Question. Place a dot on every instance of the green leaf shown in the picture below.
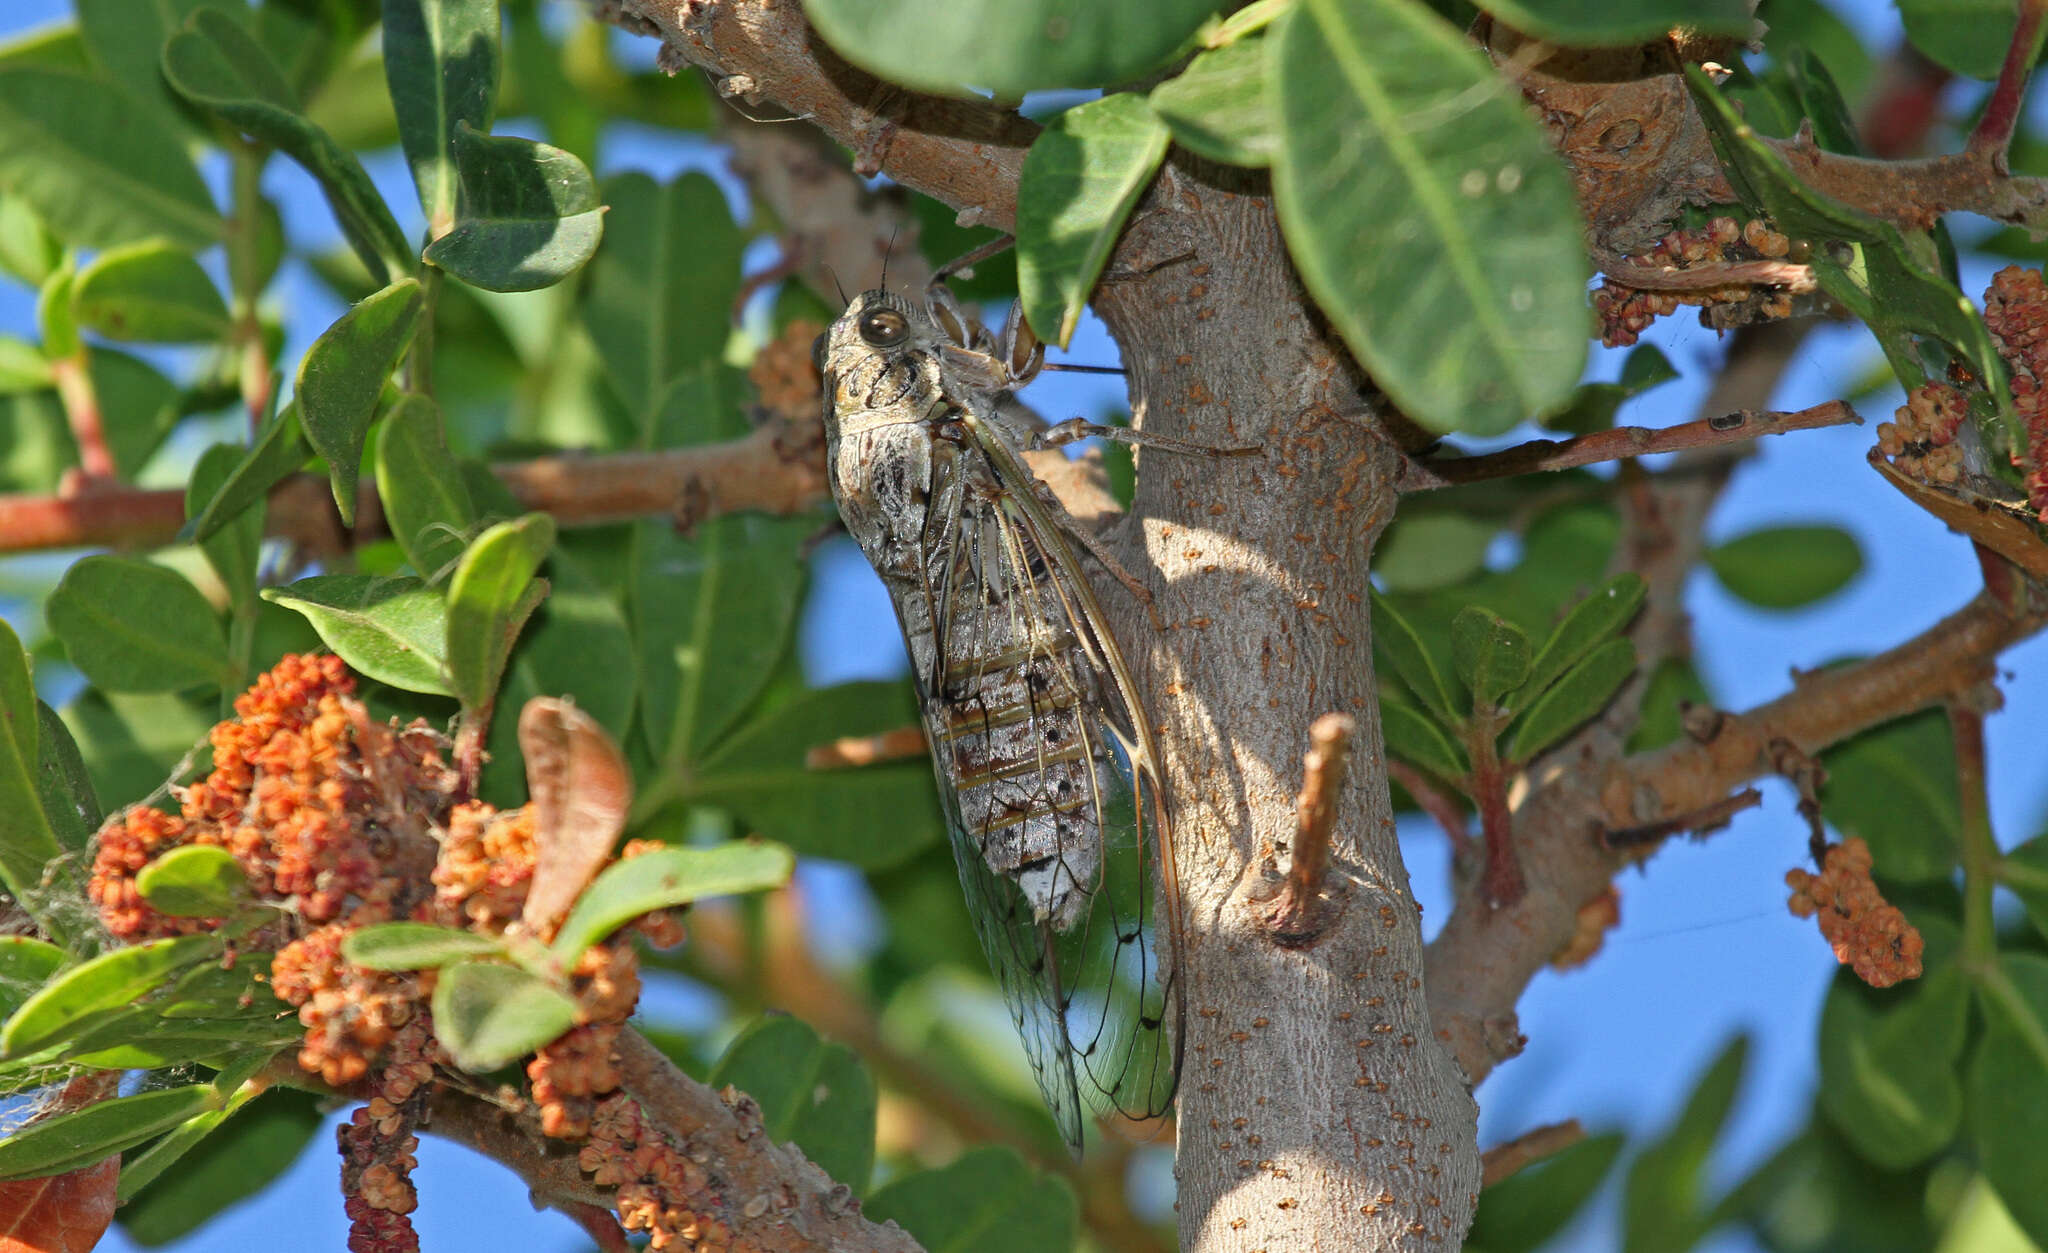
(1008, 47)
(235, 1161)
(650, 317)
(666, 878)
(1420, 739)
(530, 214)
(1492, 654)
(420, 483)
(1969, 37)
(987, 1201)
(27, 840)
(490, 1015)
(713, 613)
(1673, 683)
(1663, 1203)
(1428, 213)
(28, 250)
(813, 1094)
(1600, 23)
(138, 406)
(23, 368)
(872, 816)
(1787, 567)
(489, 598)
(53, 312)
(280, 449)
(1425, 549)
(2025, 871)
(415, 946)
(134, 626)
(62, 783)
(1402, 648)
(1592, 405)
(2006, 1089)
(1888, 1076)
(219, 66)
(1583, 692)
(233, 547)
(1520, 1213)
(1217, 106)
(1081, 178)
(133, 742)
(393, 630)
(67, 1004)
(72, 1141)
(441, 60)
(126, 42)
(195, 881)
(149, 292)
(96, 169)
(343, 374)
(25, 963)
(1894, 786)
(1591, 622)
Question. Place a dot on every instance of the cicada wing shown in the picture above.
(1032, 722)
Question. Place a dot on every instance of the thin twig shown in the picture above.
(901, 744)
(1707, 276)
(1621, 442)
(1993, 134)
(1509, 1156)
(1302, 910)
(1436, 803)
(1701, 821)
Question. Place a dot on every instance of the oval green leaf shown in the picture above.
(415, 946)
(1888, 1066)
(27, 840)
(986, 1201)
(420, 483)
(134, 626)
(1584, 691)
(1894, 787)
(1218, 106)
(669, 877)
(78, 1139)
(1787, 567)
(1081, 177)
(2006, 1088)
(393, 630)
(1428, 213)
(343, 374)
(1419, 739)
(25, 963)
(96, 169)
(279, 450)
(1968, 37)
(441, 61)
(1602, 23)
(1522, 1212)
(1397, 641)
(195, 881)
(489, 599)
(149, 292)
(1008, 47)
(491, 1015)
(220, 67)
(530, 216)
(812, 1093)
(1607, 610)
(232, 547)
(1491, 653)
(68, 1003)
(1424, 549)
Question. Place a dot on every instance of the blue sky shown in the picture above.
(1706, 948)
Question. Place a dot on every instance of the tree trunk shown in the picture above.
(1317, 1108)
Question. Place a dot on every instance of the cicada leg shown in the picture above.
(1075, 429)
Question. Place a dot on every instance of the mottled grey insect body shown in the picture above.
(1045, 767)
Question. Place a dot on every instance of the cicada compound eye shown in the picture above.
(884, 328)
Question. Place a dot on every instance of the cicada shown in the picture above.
(1045, 764)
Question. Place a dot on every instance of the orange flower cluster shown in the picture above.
(350, 1014)
(1868, 934)
(785, 377)
(1920, 438)
(1596, 918)
(2016, 310)
(1625, 312)
(656, 1181)
(312, 798)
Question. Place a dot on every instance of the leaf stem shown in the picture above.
(244, 244)
(1994, 131)
(1979, 846)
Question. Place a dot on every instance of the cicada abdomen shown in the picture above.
(1046, 769)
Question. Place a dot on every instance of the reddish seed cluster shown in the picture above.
(661, 1191)
(1625, 312)
(570, 1073)
(350, 1014)
(1921, 437)
(1596, 918)
(785, 377)
(378, 1145)
(485, 869)
(1868, 934)
(2016, 310)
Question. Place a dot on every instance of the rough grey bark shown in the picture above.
(1317, 1108)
